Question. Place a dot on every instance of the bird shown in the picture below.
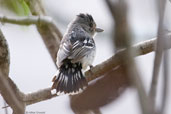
(76, 52)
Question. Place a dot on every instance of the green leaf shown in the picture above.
(20, 7)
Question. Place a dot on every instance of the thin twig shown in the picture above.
(5, 106)
(159, 53)
(38, 20)
(29, 20)
(5, 110)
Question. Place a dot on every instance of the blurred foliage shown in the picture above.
(19, 7)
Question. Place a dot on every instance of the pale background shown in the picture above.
(32, 68)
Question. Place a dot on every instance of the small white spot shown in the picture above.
(53, 91)
(89, 47)
(80, 90)
(85, 41)
(72, 93)
(84, 87)
(57, 72)
(60, 93)
(77, 92)
(64, 44)
(73, 34)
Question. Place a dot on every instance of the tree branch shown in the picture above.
(142, 48)
(4, 55)
(38, 20)
(38, 96)
(46, 26)
(8, 89)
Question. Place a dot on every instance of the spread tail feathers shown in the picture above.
(70, 79)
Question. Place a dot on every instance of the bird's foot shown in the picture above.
(91, 66)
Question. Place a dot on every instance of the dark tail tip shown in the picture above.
(70, 79)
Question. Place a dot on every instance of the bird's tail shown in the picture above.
(70, 79)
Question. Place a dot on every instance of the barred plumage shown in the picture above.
(70, 78)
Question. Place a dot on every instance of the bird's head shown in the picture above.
(87, 22)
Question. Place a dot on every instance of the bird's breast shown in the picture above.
(88, 59)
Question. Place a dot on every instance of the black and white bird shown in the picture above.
(76, 52)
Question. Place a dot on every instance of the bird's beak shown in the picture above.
(99, 30)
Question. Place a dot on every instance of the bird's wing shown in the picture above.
(75, 46)
(64, 50)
